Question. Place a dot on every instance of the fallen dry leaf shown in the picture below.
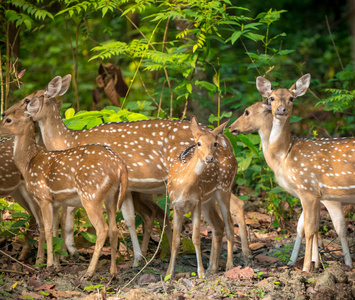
(266, 259)
(238, 272)
(263, 218)
(31, 295)
(256, 246)
(145, 279)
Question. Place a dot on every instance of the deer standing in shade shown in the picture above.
(258, 117)
(87, 176)
(149, 149)
(187, 192)
(310, 169)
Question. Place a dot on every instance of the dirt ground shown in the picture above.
(267, 278)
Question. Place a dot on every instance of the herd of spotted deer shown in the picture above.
(123, 164)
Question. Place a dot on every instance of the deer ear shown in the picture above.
(196, 131)
(300, 87)
(219, 130)
(264, 86)
(33, 107)
(65, 84)
(54, 87)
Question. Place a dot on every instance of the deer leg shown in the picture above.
(67, 218)
(311, 209)
(111, 207)
(47, 211)
(335, 210)
(148, 216)
(299, 236)
(94, 211)
(128, 215)
(223, 199)
(315, 251)
(177, 225)
(237, 207)
(196, 238)
(55, 224)
(209, 211)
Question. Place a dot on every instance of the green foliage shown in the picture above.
(89, 119)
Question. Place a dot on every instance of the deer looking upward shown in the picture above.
(149, 148)
(188, 192)
(315, 170)
(258, 117)
(84, 176)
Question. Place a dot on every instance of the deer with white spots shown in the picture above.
(309, 169)
(258, 117)
(11, 183)
(85, 176)
(187, 192)
(149, 149)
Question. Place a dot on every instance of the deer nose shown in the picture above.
(233, 131)
(281, 110)
(209, 159)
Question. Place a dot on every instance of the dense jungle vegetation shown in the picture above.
(173, 59)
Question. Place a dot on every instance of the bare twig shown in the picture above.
(12, 271)
(335, 47)
(151, 45)
(2, 87)
(22, 264)
(246, 50)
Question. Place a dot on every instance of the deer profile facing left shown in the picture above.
(85, 176)
(188, 193)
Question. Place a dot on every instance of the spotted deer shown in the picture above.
(188, 191)
(258, 117)
(312, 169)
(149, 149)
(84, 176)
(11, 183)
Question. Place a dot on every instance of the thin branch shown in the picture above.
(246, 50)
(151, 45)
(335, 47)
(22, 264)
(2, 87)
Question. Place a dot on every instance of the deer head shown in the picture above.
(206, 142)
(15, 123)
(281, 100)
(35, 102)
(254, 117)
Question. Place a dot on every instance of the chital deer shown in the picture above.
(149, 148)
(315, 170)
(85, 176)
(258, 117)
(11, 183)
(187, 192)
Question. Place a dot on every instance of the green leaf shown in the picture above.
(69, 113)
(285, 52)
(249, 144)
(20, 215)
(93, 122)
(295, 119)
(244, 164)
(189, 87)
(235, 36)
(254, 36)
(89, 236)
(209, 86)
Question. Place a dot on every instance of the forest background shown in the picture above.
(178, 58)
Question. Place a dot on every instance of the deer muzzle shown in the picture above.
(209, 159)
(281, 110)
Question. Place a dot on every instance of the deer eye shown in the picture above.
(291, 99)
(27, 100)
(199, 144)
(247, 113)
(8, 120)
(272, 98)
(3, 115)
(215, 144)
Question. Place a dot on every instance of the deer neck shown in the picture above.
(280, 138)
(25, 149)
(264, 134)
(55, 134)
